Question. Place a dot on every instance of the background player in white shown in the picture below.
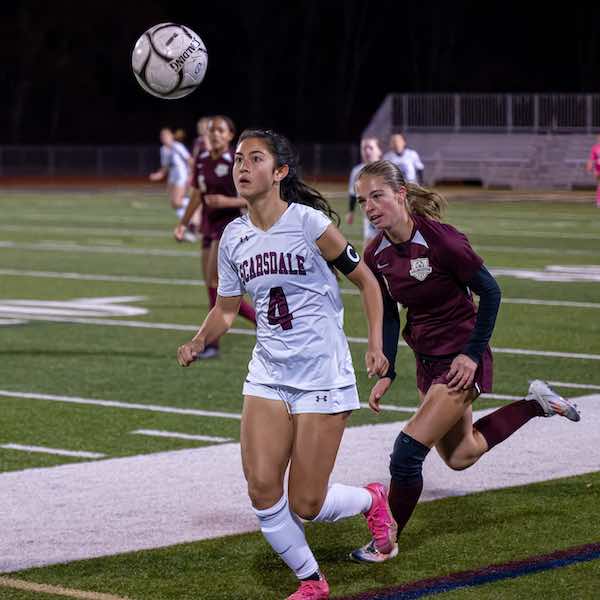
(174, 164)
(301, 387)
(369, 152)
(406, 158)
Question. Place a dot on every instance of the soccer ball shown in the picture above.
(169, 60)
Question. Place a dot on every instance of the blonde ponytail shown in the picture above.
(425, 203)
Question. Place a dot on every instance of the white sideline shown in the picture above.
(57, 451)
(115, 404)
(251, 332)
(199, 282)
(93, 509)
(180, 436)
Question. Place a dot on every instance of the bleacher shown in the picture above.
(546, 146)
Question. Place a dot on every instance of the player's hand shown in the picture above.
(179, 232)
(188, 353)
(461, 373)
(214, 200)
(156, 176)
(379, 389)
(350, 218)
(376, 363)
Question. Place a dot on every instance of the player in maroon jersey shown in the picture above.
(213, 188)
(201, 143)
(430, 268)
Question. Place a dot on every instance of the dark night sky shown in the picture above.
(316, 69)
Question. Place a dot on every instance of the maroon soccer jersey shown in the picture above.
(213, 176)
(428, 276)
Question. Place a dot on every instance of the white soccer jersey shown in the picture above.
(369, 230)
(300, 340)
(409, 163)
(175, 158)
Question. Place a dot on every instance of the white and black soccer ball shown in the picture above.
(169, 60)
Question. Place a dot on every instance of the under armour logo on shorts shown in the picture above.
(324, 398)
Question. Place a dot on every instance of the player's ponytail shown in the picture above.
(419, 200)
(292, 188)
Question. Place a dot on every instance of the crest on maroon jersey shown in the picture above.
(419, 268)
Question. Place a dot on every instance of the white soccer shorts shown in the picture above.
(307, 401)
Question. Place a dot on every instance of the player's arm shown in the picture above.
(158, 175)
(420, 169)
(194, 203)
(221, 201)
(217, 323)
(338, 252)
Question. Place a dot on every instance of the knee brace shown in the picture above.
(406, 460)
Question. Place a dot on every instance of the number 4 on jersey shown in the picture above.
(279, 313)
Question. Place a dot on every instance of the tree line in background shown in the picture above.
(316, 70)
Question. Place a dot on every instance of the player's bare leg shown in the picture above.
(317, 439)
(267, 437)
(316, 442)
(209, 274)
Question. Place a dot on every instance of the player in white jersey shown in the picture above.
(406, 159)
(369, 152)
(174, 165)
(301, 387)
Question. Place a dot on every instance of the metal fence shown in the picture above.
(139, 161)
(532, 113)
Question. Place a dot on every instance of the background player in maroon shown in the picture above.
(430, 268)
(213, 188)
(201, 143)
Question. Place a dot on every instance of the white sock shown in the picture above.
(344, 501)
(285, 532)
(181, 210)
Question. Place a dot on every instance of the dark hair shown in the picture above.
(228, 121)
(419, 200)
(292, 188)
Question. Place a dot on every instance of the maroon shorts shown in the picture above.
(212, 231)
(432, 369)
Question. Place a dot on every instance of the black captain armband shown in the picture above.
(347, 261)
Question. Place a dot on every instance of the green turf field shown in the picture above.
(60, 247)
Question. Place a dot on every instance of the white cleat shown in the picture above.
(551, 403)
(370, 554)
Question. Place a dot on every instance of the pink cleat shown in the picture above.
(380, 520)
(311, 590)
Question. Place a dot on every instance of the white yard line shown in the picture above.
(115, 404)
(227, 415)
(82, 231)
(180, 436)
(79, 248)
(521, 250)
(102, 508)
(79, 230)
(100, 277)
(199, 282)
(575, 386)
(251, 332)
(57, 451)
(55, 590)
